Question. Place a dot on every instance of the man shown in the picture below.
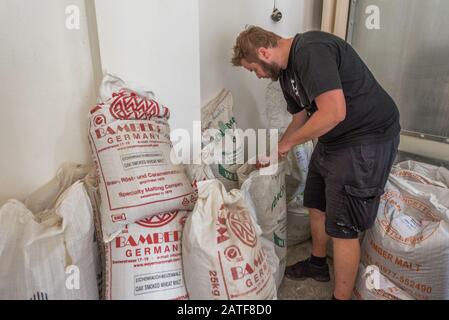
(334, 97)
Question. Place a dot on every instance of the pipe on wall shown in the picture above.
(335, 17)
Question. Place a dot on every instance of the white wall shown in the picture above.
(178, 48)
(50, 74)
(154, 44)
(220, 23)
(47, 87)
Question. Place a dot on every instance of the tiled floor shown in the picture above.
(307, 289)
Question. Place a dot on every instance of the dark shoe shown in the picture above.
(304, 269)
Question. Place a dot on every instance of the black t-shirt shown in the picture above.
(320, 62)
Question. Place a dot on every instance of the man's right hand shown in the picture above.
(283, 149)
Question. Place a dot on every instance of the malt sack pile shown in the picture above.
(410, 238)
(375, 286)
(276, 108)
(150, 239)
(49, 253)
(144, 262)
(129, 136)
(222, 253)
(298, 220)
(264, 193)
(218, 115)
(91, 182)
(298, 160)
(197, 173)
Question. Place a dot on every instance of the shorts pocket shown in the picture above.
(362, 205)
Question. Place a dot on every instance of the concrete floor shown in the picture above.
(308, 289)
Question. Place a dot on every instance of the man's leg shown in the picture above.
(352, 205)
(346, 264)
(319, 236)
(315, 266)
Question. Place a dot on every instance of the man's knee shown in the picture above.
(317, 215)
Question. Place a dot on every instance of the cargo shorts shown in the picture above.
(347, 184)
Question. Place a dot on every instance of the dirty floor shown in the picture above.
(308, 289)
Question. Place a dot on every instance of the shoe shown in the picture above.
(304, 269)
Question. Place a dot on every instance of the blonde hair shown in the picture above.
(251, 39)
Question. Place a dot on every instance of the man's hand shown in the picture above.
(298, 121)
(331, 111)
(284, 148)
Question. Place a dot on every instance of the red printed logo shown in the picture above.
(194, 185)
(394, 204)
(118, 217)
(129, 106)
(183, 220)
(158, 220)
(96, 108)
(233, 253)
(99, 120)
(185, 202)
(242, 227)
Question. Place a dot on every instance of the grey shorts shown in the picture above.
(347, 184)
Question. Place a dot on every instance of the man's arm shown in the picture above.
(299, 119)
(331, 111)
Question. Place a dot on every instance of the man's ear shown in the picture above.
(263, 54)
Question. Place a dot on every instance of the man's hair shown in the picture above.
(251, 39)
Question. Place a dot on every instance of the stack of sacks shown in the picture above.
(298, 216)
(91, 181)
(47, 245)
(144, 197)
(409, 242)
(223, 256)
(150, 246)
(372, 285)
(144, 262)
(197, 173)
(129, 136)
(298, 161)
(217, 123)
(264, 192)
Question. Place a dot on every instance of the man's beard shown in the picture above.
(273, 70)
